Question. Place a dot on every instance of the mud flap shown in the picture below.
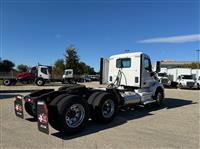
(42, 117)
(18, 106)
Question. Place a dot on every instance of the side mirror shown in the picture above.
(158, 66)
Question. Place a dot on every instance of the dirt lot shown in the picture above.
(174, 125)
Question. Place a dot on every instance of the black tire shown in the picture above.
(104, 113)
(53, 112)
(65, 81)
(198, 86)
(40, 82)
(158, 97)
(7, 82)
(29, 109)
(14, 82)
(65, 107)
(180, 86)
(91, 100)
(67, 86)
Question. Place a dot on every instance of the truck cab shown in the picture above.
(68, 74)
(164, 79)
(132, 71)
(42, 74)
(186, 81)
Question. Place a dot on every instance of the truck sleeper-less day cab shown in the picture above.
(131, 81)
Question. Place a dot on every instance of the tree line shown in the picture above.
(71, 60)
(194, 65)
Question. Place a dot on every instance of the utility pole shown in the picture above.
(198, 66)
(198, 50)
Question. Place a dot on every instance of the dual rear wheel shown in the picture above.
(70, 113)
(104, 107)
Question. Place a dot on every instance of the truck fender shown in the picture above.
(92, 98)
(159, 88)
(99, 97)
(61, 104)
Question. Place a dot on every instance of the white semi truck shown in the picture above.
(182, 76)
(130, 80)
(164, 79)
(186, 81)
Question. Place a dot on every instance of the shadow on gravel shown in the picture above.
(124, 115)
(31, 119)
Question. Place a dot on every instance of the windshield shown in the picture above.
(187, 77)
(68, 72)
(162, 74)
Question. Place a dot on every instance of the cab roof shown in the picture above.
(126, 55)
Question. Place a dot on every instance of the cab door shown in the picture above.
(148, 78)
(43, 72)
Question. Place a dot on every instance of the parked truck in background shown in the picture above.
(130, 80)
(176, 75)
(164, 79)
(196, 75)
(70, 77)
(38, 74)
(186, 81)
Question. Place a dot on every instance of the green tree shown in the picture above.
(22, 68)
(85, 69)
(72, 59)
(6, 65)
(193, 65)
(59, 67)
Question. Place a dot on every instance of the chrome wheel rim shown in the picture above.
(6, 82)
(108, 108)
(75, 115)
(40, 82)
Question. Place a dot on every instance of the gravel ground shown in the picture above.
(174, 125)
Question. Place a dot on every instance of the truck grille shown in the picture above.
(164, 81)
(190, 84)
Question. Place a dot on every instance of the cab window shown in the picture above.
(68, 72)
(44, 70)
(123, 63)
(147, 64)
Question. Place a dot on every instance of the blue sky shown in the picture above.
(40, 31)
